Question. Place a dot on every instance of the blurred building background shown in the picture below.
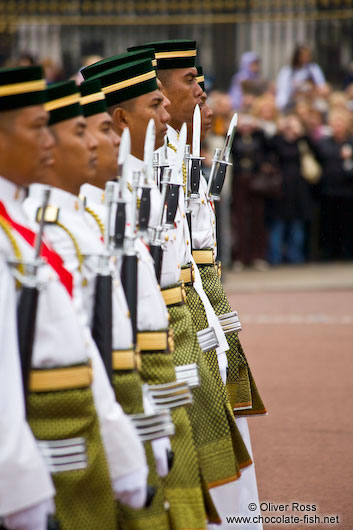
(64, 31)
(289, 195)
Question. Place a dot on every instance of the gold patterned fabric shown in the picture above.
(240, 454)
(128, 392)
(182, 486)
(84, 498)
(242, 391)
(208, 416)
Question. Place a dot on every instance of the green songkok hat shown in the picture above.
(171, 53)
(128, 81)
(63, 102)
(200, 77)
(92, 98)
(21, 87)
(118, 60)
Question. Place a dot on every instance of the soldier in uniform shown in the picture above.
(176, 69)
(241, 386)
(26, 489)
(133, 99)
(70, 405)
(208, 433)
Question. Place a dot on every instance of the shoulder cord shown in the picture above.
(15, 247)
(97, 219)
(77, 248)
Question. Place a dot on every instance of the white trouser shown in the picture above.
(234, 498)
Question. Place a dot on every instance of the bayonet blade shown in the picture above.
(124, 151)
(150, 140)
(124, 147)
(230, 137)
(180, 155)
(196, 132)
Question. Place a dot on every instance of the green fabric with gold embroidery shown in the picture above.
(208, 417)
(182, 486)
(241, 386)
(84, 498)
(128, 392)
(199, 317)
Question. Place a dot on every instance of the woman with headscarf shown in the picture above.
(249, 72)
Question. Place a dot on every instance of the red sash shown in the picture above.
(51, 257)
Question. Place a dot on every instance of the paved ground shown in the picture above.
(298, 336)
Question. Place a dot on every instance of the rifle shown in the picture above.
(220, 163)
(102, 320)
(129, 272)
(26, 318)
(156, 249)
(28, 304)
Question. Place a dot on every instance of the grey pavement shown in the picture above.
(334, 276)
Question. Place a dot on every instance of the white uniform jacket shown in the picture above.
(24, 479)
(125, 453)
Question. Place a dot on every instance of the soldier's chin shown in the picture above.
(159, 141)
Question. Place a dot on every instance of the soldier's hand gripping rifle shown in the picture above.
(220, 163)
(102, 320)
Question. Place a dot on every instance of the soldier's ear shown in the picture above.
(119, 119)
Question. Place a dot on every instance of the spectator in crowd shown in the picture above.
(264, 109)
(288, 215)
(248, 78)
(302, 76)
(248, 204)
(221, 105)
(336, 155)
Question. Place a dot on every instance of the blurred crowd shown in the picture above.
(289, 195)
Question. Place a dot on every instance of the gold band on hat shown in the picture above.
(154, 62)
(23, 88)
(175, 54)
(60, 379)
(200, 79)
(129, 82)
(62, 102)
(92, 98)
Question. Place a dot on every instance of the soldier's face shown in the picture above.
(184, 93)
(75, 155)
(101, 127)
(148, 106)
(26, 145)
(206, 116)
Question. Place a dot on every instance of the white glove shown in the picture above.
(32, 518)
(223, 365)
(131, 489)
(160, 448)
